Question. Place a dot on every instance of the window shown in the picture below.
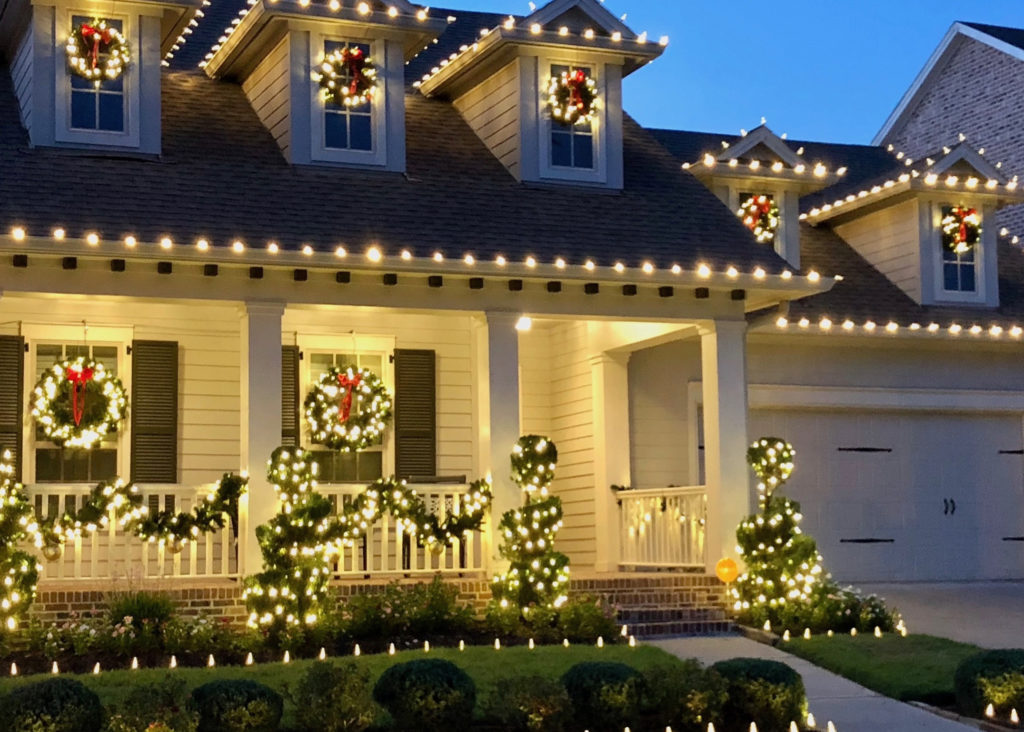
(97, 108)
(348, 128)
(572, 145)
(364, 466)
(959, 269)
(54, 464)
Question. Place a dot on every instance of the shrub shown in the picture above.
(139, 619)
(605, 696)
(585, 619)
(332, 698)
(766, 692)
(237, 706)
(990, 677)
(429, 694)
(408, 611)
(164, 706)
(530, 704)
(54, 705)
(683, 696)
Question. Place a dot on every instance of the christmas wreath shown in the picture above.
(761, 216)
(77, 403)
(97, 51)
(347, 77)
(961, 229)
(573, 97)
(347, 409)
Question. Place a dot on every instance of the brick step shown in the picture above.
(646, 631)
(634, 616)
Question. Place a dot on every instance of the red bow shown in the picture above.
(758, 208)
(356, 63)
(98, 35)
(576, 80)
(963, 214)
(79, 377)
(348, 383)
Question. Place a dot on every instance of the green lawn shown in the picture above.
(915, 668)
(486, 665)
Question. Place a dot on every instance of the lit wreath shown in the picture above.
(961, 229)
(347, 77)
(761, 216)
(347, 409)
(572, 97)
(77, 403)
(97, 51)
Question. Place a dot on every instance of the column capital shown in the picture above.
(499, 318)
(610, 359)
(710, 327)
(262, 307)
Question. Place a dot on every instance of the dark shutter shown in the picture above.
(154, 412)
(290, 395)
(12, 380)
(415, 413)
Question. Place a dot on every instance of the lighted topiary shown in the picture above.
(19, 569)
(785, 583)
(537, 574)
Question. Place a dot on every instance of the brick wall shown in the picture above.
(980, 93)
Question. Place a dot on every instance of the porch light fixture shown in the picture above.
(524, 324)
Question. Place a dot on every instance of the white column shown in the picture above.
(498, 374)
(610, 389)
(261, 421)
(724, 376)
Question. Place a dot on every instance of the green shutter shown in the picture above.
(415, 413)
(290, 401)
(154, 412)
(12, 380)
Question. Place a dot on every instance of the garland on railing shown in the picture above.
(300, 540)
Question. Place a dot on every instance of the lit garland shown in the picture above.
(347, 77)
(77, 403)
(347, 409)
(961, 229)
(537, 574)
(301, 540)
(19, 569)
(97, 51)
(760, 214)
(572, 97)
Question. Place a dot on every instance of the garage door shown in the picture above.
(908, 496)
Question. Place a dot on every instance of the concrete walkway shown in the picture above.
(851, 707)
(987, 614)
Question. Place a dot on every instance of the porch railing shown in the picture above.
(389, 551)
(663, 527)
(111, 553)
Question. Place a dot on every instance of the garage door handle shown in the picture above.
(952, 503)
(945, 506)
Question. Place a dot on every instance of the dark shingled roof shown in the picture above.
(1013, 36)
(221, 176)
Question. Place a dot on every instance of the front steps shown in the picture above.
(654, 605)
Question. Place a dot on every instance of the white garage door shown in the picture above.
(908, 496)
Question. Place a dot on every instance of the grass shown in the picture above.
(484, 664)
(915, 668)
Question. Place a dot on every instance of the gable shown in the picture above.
(578, 15)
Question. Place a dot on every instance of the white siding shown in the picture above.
(535, 381)
(890, 239)
(492, 110)
(21, 75)
(268, 90)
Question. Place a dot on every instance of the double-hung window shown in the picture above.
(348, 127)
(97, 107)
(572, 145)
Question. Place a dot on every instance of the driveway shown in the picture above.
(988, 614)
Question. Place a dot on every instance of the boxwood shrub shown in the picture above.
(605, 696)
(237, 705)
(766, 692)
(333, 698)
(990, 677)
(53, 705)
(427, 694)
(530, 704)
(684, 696)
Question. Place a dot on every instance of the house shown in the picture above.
(218, 226)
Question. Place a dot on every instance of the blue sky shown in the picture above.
(816, 69)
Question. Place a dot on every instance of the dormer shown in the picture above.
(87, 74)
(514, 84)
(327, 79)
(762, 177)
(930, 226)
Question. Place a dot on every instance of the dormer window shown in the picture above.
(572, 143)
(760, 214)
(97, 106)
(348, 119)
(961, 236)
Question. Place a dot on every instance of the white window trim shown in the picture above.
(376, 157)
(63, 131)
(117, 336)
(347, 343)
(597, 174)
(942, 295)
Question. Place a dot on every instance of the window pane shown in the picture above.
(561, 149)
(47, 354)
(952, 282)
(107, 355)
(967, 278)
(76, 465)
(371, 362)
(81, 83)
(371, 466)
(83, 110)
(112, 112)
(346, 468)
(74, 351)
(319, 363)
(583, 151)
(335, 130)
(361, 134)
(104, 465)
(47, 465)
